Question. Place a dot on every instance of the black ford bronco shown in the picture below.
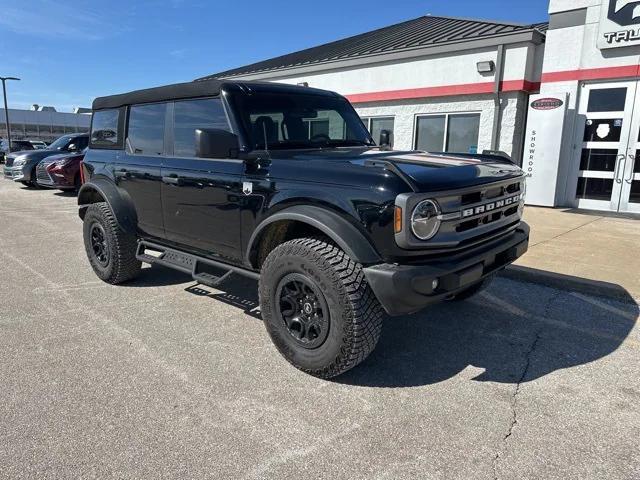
(285, 185)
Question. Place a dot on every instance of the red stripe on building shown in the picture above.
(506, 86)
(445, 91)
(592, 74)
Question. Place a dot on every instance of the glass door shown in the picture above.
(607, 110)
(629, 177)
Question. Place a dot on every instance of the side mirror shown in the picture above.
(385, 139)
(216, 143)
(72, 147)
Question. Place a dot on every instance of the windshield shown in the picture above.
(59, 144)
(292, 121)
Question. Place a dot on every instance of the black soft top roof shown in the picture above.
(201, 88)
(176, 91)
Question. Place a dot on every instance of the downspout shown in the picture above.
(497, 88)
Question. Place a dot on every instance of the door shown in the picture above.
(609, 135)
(630, 176)
(137, 168)
(201, 197)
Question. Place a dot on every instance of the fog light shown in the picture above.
(435, 284)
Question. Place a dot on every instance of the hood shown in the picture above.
(427, 172)
(63, 156)
(423, 172)
(32, 155)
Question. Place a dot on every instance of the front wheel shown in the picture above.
(111, 251)
(318, 308)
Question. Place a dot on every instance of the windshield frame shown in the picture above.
(238, 103)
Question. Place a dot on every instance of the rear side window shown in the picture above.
(146, 129)
(190, 115)
(106, 129)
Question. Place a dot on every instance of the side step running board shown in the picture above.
(201, 269)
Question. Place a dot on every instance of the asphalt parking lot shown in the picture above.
(165, 378)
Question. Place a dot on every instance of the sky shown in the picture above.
(69, 52)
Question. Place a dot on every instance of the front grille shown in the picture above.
(41, 173)
(9, 161)
(475, 213)
(468, 216)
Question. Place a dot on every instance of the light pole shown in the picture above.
(6, 109)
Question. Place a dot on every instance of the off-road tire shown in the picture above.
(122, 264)
(355, 315)
(473, 290)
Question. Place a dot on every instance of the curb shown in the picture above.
(567, 282)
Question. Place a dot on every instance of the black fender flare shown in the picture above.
(351, 240)
(121, 206)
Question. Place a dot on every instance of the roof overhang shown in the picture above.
(532, 36)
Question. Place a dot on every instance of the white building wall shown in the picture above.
(459, 68)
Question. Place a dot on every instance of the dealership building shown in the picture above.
(560, 97)
(43, 123)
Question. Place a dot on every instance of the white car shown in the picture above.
(38, 144)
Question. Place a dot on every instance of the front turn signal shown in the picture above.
(398, 220)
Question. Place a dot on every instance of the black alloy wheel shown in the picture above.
(99, 244)
(304, 310)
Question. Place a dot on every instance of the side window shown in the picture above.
(192, 114)
(82, 142)
(105, 129)
(146, 129)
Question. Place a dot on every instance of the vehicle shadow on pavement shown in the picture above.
(513, 333)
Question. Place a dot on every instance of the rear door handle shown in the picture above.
(172, 180)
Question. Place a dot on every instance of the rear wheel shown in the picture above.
(318, 308)
(111, 251)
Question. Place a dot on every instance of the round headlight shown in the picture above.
(424, 220)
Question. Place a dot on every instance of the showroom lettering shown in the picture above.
(532, 153)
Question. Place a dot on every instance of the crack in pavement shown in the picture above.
(514, 401)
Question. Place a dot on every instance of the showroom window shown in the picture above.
(375, 125)
(455, 133)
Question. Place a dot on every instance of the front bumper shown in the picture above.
(405, 289)
(14, 173)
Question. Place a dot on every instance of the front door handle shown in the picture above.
(171, 180)
(633, 158)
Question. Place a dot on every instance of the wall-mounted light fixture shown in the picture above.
(486, 67)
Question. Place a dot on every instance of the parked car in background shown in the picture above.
(16, 146)
(60, 171)
(21, 166)
(38, 144)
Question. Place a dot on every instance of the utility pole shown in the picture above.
(6, 109)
